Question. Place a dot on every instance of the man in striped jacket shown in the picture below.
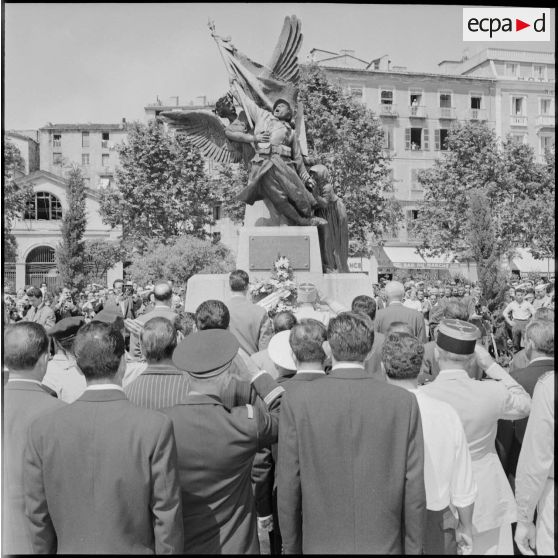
(161, 384)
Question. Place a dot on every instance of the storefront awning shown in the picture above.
(404, 257)
(524, 262)
(438, 262)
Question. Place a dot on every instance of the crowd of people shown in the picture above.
(386, 427)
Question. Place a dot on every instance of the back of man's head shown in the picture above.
(307, 339)
(395, 291)
(283, 321)
(456, 310)
(186, 323)
(544, 314)
(99, 348)
(399, 327)
(350, 337)
(158, 339)
(162, 291)
(212, 314)
(24, 344)
(363, 304)
(540, 334)
(402, 356)
(239, 281)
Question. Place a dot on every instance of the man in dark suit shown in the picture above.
(539, 349)
(250, 323)
(216, 446)
(351, 457)
(162, 309)
(100, 474)
(26, 356)
(121, 301)
(366, 306)
(396, 312)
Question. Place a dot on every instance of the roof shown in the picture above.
(524, 262)
(20, 136)
(84, 127)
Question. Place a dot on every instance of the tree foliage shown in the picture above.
(180, 259)
(231, 179)
(161, 189)
(14, 197)
(506, 177)
(100, 255)
(345, 136)
(70, 252)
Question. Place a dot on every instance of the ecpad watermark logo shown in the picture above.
(506, 24)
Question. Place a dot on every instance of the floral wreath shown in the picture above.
(278, 293)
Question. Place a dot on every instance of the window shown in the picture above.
(476, 101)
(445, 100)
(518, 138)
(539, 72)
(104, 182)
(386, 97)
(546, 142)
(416, 139)
(57, 158)
(105, 159)
(84, 139)
(217, 212)
(356, 92)
(105, 136)
(43, 206)
(57, 140)
(388, 138)
(546, 107)
(440, 139)
(511, 69)
(85, 159)
(415, 184)
(517, 106)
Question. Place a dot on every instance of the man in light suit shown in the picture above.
(25, 399)
(396, 312)
(350, 458)
(39, 312)
(249, 323)
(100, 474)
(162, 292)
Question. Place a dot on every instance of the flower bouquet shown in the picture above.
(278, 293)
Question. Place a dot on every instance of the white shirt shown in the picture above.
(448, 471)
(523, 311)
(97, 387)
(414, 304)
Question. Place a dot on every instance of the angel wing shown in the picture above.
(284, 61)
(205, 131)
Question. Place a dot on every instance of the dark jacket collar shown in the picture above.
(348, 373)
(26, 386)
(100, 395)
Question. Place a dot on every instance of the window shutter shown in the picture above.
(408, 139)
(425, 145)
(437, 143)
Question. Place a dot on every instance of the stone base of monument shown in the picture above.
(260, 247)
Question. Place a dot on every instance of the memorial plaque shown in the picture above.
(264, 250)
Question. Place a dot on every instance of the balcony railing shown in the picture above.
(104, 144)
(516, 120)
(446, 112)
(104, 171)
(546, 120)
(478, 114)
(418, 111)
(388, 110)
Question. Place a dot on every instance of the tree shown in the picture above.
(180, 259)
(231, 180)
(346, 137)
(15, 197)
(161, 190)
(70, 253)
(100, 255)
(507, 180)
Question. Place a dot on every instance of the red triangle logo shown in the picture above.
(519, 25)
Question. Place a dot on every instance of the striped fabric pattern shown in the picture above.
(159, 386)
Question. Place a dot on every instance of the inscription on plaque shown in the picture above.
(264, 250)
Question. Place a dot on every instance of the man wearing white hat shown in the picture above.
(480, 405)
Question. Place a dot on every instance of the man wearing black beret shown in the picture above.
(216, 446)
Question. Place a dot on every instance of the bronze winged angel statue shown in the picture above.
(264, 134)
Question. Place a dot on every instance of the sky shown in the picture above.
(100, 62)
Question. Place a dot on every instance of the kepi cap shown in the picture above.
(280, 352)
(66, 329)
(457, 336)
(207, 353)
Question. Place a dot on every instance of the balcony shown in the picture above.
(389, 110)
(545, 121)
(418, 111)
(447, 113)
(478, 114)
(517, 120)
(106, 171)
